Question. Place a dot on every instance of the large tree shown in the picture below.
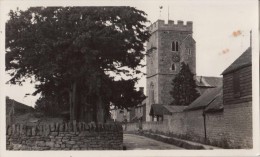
(184, 87)
(72, 51)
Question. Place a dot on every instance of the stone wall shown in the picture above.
(65, 136)
(231, 128)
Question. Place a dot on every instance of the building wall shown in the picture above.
(231, 127)
(245, 80)
(119, 115)
(151, 80)
(65, 136)
(176, 123)
(195, 124)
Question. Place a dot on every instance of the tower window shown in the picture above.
(173, 67)
(189, 51)
(175, 46)
(152, 93)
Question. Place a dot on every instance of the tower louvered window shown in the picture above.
(175, 46)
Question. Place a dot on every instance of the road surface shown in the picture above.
(135, 142)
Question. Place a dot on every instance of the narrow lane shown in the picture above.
(135, 142)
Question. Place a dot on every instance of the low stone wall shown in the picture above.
(65, 136)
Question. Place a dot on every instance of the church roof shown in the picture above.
(207, 81)
(242, 61)
(205, 100)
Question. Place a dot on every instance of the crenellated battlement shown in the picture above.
(179, 26)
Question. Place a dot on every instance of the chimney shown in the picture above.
(141, 89)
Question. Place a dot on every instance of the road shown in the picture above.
(135, 142)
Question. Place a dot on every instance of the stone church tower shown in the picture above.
(173, 44)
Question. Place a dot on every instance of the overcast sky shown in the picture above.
(220, 29)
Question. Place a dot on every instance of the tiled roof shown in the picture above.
(205, 99)
(206, 81)
(174, 109)
(244, 60)
(216, 104)
(158, 110)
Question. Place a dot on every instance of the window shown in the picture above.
(236, 84)
(189, 51)
(175, 46)
(173, 67)
(152, 93)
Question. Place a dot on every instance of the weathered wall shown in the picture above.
(230, 128)
(245, 83)
(65, 136)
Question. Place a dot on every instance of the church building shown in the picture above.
(170, 44)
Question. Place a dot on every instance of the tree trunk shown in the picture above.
(73, 101)
(100, 110)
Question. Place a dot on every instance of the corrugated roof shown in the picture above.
(174, 109)
(205, 99)
(244, 60)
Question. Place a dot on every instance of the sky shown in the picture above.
(220, 29)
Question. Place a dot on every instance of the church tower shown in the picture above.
(170, 44)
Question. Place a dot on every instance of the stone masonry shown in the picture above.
(159, 61)
(65, 136)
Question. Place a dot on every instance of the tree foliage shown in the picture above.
(71, 51)
(184, 87)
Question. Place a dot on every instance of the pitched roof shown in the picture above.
(158, 110)
(205, 99)
(216, 104)
(189, 35)
(206, 81)
(142, 103)
(174, 109)
(242, 61)
(18, 107)
(137, 117)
